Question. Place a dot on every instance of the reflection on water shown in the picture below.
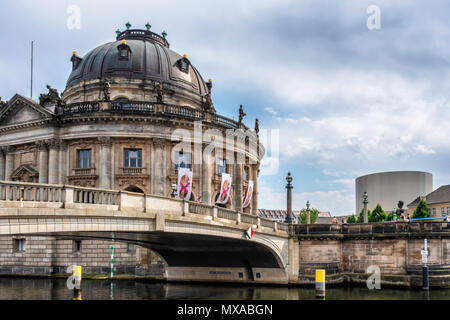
(55, 289)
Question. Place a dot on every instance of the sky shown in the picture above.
(345, 100)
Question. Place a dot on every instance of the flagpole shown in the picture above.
(31, 82)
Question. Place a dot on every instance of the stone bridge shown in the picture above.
(195, 241)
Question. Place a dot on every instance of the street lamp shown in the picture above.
(174, 190)
(365, 202)
(289, 216)
(308, 213)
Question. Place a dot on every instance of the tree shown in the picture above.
(351, 219)
(314, 213)
(390, 216)
(361, 216)
(421, 210)
(377, 215)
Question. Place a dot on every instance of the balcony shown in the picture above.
(132, 171)
(83, 171)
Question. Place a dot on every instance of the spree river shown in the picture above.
(56, 289)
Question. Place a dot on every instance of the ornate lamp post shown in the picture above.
(308, 213)
(365, 202)
(289, 216)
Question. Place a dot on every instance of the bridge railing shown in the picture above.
(227, 214)
(75, 197)
(19, 191)
(202, 209)
(95, 196)
(373, 228)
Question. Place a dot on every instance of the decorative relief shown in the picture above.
(42, 145)
(105, 141)
(53, 143)
(159, 142)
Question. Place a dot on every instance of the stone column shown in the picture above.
(159, 167)
(53, 161)
(9, 162)
(105, 163)
(2, 163)
(238, 187)
(63, 162)
(43, 162)
(207, 165)
(255, 172)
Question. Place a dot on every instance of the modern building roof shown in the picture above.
(440, 195)
(275, 214)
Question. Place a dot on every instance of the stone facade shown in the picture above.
(85, 137)
(49, 256)
(347, 258)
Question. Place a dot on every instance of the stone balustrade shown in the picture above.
(373, 229)
(66, 196)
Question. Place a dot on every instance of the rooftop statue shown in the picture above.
(159, 92)
(106, 87)
(51, 97)
(242, 114)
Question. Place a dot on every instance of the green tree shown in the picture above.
(390, 216)
(351, 219)
(377, 215)
(361, 216)
(421, 210)
(314, 213)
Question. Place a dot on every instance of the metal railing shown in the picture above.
(132, 107)
(145, 107)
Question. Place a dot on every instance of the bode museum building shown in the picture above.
(113, 127)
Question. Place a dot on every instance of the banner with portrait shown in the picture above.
(184, 186)
(225, 189)
(248, 197)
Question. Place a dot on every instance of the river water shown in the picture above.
(56, 289)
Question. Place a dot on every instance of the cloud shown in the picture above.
(346, 100)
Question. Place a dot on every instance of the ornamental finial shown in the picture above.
(128, 25)
(148, 26)
(118, 32)
(164, 34)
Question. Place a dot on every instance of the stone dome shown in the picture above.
(138, 54)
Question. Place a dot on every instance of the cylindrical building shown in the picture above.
(388, 188)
